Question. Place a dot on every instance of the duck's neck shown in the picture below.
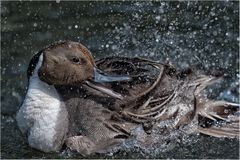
(42, 115)
(44, 95)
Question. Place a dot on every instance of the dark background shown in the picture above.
(182, 33)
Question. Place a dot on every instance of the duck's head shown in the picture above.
(68, 63)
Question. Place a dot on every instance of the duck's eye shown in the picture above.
(76, 60)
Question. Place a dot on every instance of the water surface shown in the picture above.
(181, 33)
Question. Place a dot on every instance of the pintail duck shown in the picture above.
(91, 106)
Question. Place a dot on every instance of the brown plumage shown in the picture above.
(156, 96)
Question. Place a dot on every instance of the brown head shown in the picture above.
(66, 63)
(69, 63)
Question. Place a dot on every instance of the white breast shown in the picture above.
(42, 116)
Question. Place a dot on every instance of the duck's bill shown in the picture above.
(103, 89)
(102, 77)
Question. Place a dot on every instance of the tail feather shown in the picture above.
(220, 131)
(220, 119)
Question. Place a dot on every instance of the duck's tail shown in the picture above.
(219, 119)
(216, 118)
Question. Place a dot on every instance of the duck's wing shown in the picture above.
(148, 100)
(145, 75)
(143, 98)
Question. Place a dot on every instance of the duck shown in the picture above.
(91, 106)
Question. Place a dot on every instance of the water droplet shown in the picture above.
(157, 18)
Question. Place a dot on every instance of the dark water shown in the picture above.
(182, 33)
